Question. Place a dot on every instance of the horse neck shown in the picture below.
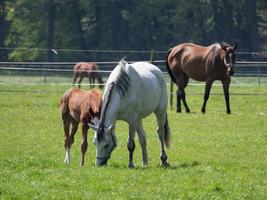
(111, 108)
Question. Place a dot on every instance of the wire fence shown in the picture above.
(246, 72)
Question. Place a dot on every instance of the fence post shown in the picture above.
(171, 94)
(45, 74)
(259, 75)
(152, 55)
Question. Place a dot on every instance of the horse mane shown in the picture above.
(122, 81)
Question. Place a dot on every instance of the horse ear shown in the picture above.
(235, 46)
(95, 128)
(224, 46)
(123, 62)
(96, 122)
(109, 128)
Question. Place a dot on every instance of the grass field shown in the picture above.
(213, 156)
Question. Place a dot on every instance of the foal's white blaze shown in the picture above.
(67, 157)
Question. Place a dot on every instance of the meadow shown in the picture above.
(213, 155)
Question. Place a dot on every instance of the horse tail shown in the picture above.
(168, 66)
(167, 134)
(64, 102)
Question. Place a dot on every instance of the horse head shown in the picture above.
(104, 140)
(229, 58)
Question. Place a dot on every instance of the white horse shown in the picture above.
(133, 91)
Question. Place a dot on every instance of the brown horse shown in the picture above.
(215, 62)
(90, 70)
(78, 106)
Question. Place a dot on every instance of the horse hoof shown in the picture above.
(145, 164)
(165, 164)
(203, 111)
(130, 166)
(188, 111)
(66, 162)
(178, 111)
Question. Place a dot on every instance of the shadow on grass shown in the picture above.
(171, 167)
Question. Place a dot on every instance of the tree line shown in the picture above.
(30, 29)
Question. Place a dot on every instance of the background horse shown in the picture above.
(78, 106)
(89, 70)
(215, 62)
(132, 92)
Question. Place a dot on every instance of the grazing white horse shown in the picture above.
(132, 92)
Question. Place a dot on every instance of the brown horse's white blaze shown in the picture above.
(90, 70)
(215, 62)
(78, 106)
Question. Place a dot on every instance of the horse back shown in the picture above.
(149, 86)
(81, 105)
(84, 67)
(193, 60)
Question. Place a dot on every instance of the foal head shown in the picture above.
(229, 58)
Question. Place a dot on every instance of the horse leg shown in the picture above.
(142, 140)
(90, 82)
(70, 139)
(93, 82)
(182, 83)
(161, 121)
(226, 84)
(207, 94)
(182, 96)
(131, 145)
(178, 102)
(74, 80)
(74, 127)
(80, 80)
(84, 144)
(66, 125)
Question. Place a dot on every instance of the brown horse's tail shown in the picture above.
(167, 134)
(168, 66)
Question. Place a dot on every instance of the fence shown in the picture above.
(244, 69)
(253, 69)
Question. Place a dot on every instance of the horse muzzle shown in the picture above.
(230, 69)
(231, 72)
(101, 161)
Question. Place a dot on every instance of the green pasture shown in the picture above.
(213, 155)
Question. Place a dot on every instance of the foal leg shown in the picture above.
(70, 139)
(131, 145)
(84, 144)
(66, 125)
(207, 94)
(226, 84)
(142, 140)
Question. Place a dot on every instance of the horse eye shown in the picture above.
(106, 146)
